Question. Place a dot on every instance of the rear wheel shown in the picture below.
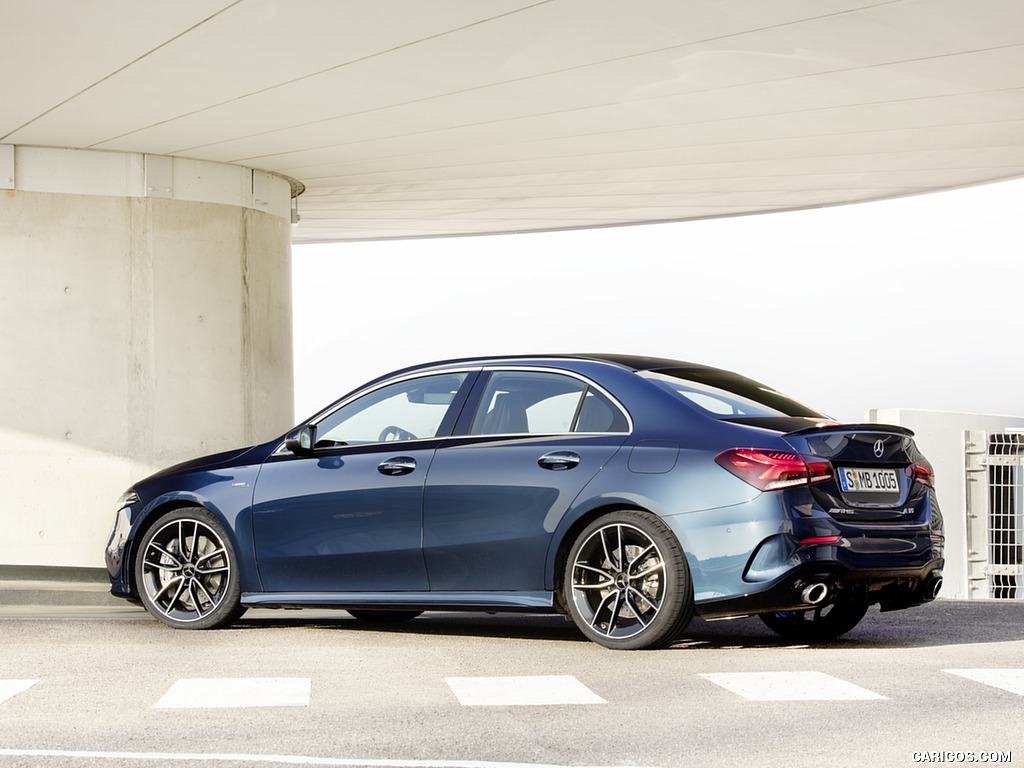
(826, 622)
(627, 585)
(187, 572)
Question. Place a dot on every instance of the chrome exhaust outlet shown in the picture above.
(814, 594)
(933, 587)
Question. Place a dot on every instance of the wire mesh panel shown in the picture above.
(1005, 517)
(995, 507)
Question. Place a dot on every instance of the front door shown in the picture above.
(348, 514)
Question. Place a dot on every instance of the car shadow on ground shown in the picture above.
(944, 622)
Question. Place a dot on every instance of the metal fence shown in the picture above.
(995, 514)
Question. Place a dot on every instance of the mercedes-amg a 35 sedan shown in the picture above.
(626, 492)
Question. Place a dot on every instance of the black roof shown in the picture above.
(631, 362)
(640, 362)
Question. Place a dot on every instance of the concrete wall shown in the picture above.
(137, 331)
(940, 435)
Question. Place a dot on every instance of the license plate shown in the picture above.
(869, 480)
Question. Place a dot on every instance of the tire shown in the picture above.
(815, 625)
(187, 573)
(382, 617)
(627, 584)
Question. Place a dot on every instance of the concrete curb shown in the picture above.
(47, 585)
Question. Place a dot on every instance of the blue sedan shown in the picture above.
(628, 493)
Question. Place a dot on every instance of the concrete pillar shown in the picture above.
(145, 318)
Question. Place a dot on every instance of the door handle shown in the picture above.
(398, 465)
(559, 460)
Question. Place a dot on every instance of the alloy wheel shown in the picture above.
(618, 581)
(185, 570)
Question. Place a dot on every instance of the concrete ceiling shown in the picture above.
(407, 118)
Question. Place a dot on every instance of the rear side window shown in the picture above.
(599, 414)
(727, 395)
(534, 402)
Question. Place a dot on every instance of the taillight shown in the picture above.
(770, 470)
(921, 471)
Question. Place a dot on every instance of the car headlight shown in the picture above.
(128, 498)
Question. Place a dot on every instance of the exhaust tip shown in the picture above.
(933, 587)
(814, 594)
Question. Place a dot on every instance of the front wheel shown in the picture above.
(187, 572)
(627, 584)
(815, 625)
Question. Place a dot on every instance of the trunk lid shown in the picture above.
(878, 473)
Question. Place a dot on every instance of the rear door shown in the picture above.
(529, 441)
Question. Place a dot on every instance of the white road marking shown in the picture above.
(790, 686)
(230, 692)
(341, 762)
(1011, 680)
(521, 691)
(11, 688)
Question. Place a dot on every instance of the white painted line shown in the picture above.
(790, 686)
(542, 690)
(340, 762)
(1011, 680)
(230, 692)
(11, 688)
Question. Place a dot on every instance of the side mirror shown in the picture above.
(301, 441)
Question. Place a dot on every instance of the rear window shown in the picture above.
(727, 395)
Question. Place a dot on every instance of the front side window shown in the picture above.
(406, 410)
(534, 402)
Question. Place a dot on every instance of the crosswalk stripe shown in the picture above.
(1011, 680)
(541, 690)
(223, 693)
(790, 686)
(11, 688)
(521, 691)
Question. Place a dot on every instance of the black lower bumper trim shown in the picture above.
(801, 590)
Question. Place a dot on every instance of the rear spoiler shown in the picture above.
(827, 427)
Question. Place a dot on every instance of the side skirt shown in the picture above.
(539, 602)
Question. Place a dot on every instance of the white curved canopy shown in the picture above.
(408, 118)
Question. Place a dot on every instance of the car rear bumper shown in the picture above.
(816, 584)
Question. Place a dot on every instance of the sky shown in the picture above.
(915, 302)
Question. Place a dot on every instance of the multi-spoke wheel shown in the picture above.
(815, 625)
(186, 571)
(627, 585)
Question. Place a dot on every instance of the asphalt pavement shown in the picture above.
(106, 685)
